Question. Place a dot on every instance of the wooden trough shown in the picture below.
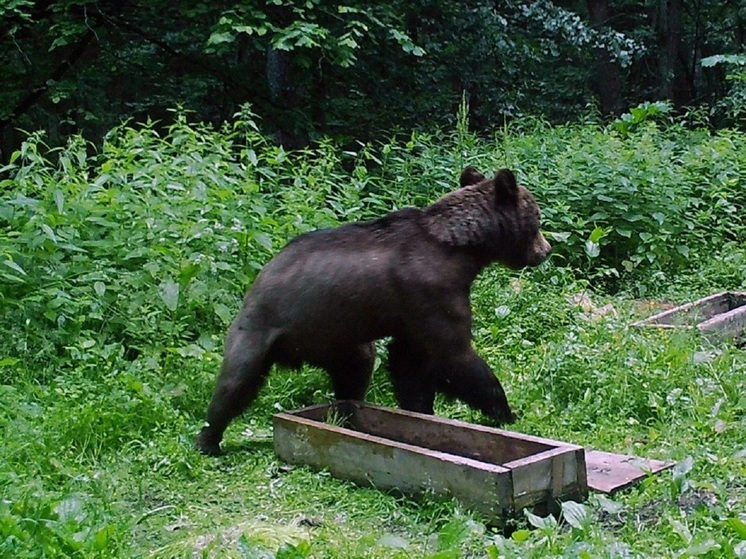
(718, 317)
(490, 470)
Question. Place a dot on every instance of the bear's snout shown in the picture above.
(540, 250)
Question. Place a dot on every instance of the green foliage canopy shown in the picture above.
(352, 70)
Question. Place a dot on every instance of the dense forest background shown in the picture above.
(359, 70)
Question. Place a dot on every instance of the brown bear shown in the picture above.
(329, 294)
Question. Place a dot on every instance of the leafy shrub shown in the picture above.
(632, 120)
(632, 204)
(153, 236)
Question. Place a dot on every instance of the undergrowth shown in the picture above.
(121, 267)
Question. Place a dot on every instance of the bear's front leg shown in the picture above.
(465, 375)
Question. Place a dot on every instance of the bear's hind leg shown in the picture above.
(351, 371)
(245, 367)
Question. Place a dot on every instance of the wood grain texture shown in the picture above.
(609, 472)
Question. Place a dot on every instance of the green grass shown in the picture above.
(120, 269)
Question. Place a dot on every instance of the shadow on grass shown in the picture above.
(248, 447)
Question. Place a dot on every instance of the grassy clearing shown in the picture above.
(119, 271)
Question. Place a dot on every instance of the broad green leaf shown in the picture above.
(169, 292)
(609, 506)
(737, 59)
(59, 200)
(13, 266)
(103, 537)
(219, 37)
(681, 530)
(548, 523)
(645, 236)
(48, 231)
(188, 273)
(597, 234)
(575, 514)
(70, 510)
(557, 236)
(681, 469)
(520, 536)
(633, 217)
(702, 548)
(263, 240)
(192, 350)
(592, 249)
(453, 533)
(502, 311)
(100, 288)
(224, 313)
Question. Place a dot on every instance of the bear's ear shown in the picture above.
(506, 187)
(470, 175)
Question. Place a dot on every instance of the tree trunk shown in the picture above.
(606, 81)
(289, 86)
(286, 94)
(673, 83)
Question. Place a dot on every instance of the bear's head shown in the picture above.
(497, 218)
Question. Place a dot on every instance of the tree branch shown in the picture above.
(38, 92)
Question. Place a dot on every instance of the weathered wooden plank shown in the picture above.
(482, 443)
(727, 325)
(691, 313)
(559, 473)
(609, 472)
